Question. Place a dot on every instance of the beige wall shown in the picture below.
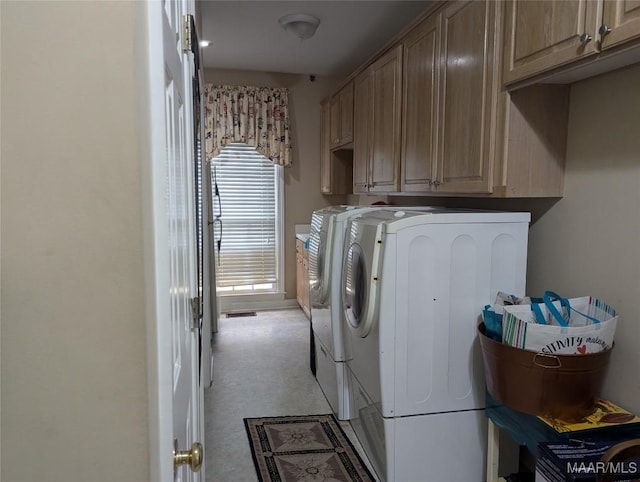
(302, 180)
(588, 242)
(74, 404)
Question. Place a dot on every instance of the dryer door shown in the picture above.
(355, 287)
(360, 285)
(320, 244)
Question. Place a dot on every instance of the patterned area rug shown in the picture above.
(303, 449)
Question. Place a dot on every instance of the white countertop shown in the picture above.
(302, 232)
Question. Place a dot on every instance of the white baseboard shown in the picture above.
(233, 305)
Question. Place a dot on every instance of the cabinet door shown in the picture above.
(341, 117)
(468, 95)
(325, 148)
(346, 114)
(361, 132)
(334, 121)
(623, 18)
(336, 167)
(386, 78)
(541, 35)
(419, 107)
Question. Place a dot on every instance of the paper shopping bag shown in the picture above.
(561, 326)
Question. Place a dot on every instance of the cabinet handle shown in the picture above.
(604, 30)
(436, 183)
(585, 38)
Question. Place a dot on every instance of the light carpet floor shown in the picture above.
(261, 369)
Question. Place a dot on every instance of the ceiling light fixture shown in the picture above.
(205, 43)
(301, 25)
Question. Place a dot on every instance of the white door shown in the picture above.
(174, 389)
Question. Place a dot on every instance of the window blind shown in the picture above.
(248, 210)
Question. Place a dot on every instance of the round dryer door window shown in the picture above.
(355, 287)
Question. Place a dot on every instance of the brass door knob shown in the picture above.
(192, 458)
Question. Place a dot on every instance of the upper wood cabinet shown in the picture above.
(420, 106)
(341, 117)
(620, 22)
(543, 35)
(335, 166)
(467, 96)
(431, 116)
(449, 100)
(378, 98)
(464, 135)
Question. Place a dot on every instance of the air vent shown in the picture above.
(238, 314)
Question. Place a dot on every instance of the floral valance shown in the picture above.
(258, 116)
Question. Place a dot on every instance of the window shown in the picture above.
(247, 225)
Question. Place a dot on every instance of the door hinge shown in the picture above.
(195, 312)
(187, 33)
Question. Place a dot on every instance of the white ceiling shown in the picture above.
(245, 35)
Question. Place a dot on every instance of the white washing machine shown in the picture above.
(326, 243)
(414, 288)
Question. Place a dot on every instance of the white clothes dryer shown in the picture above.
(414, 285)
(326, 241)
(326, 244)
